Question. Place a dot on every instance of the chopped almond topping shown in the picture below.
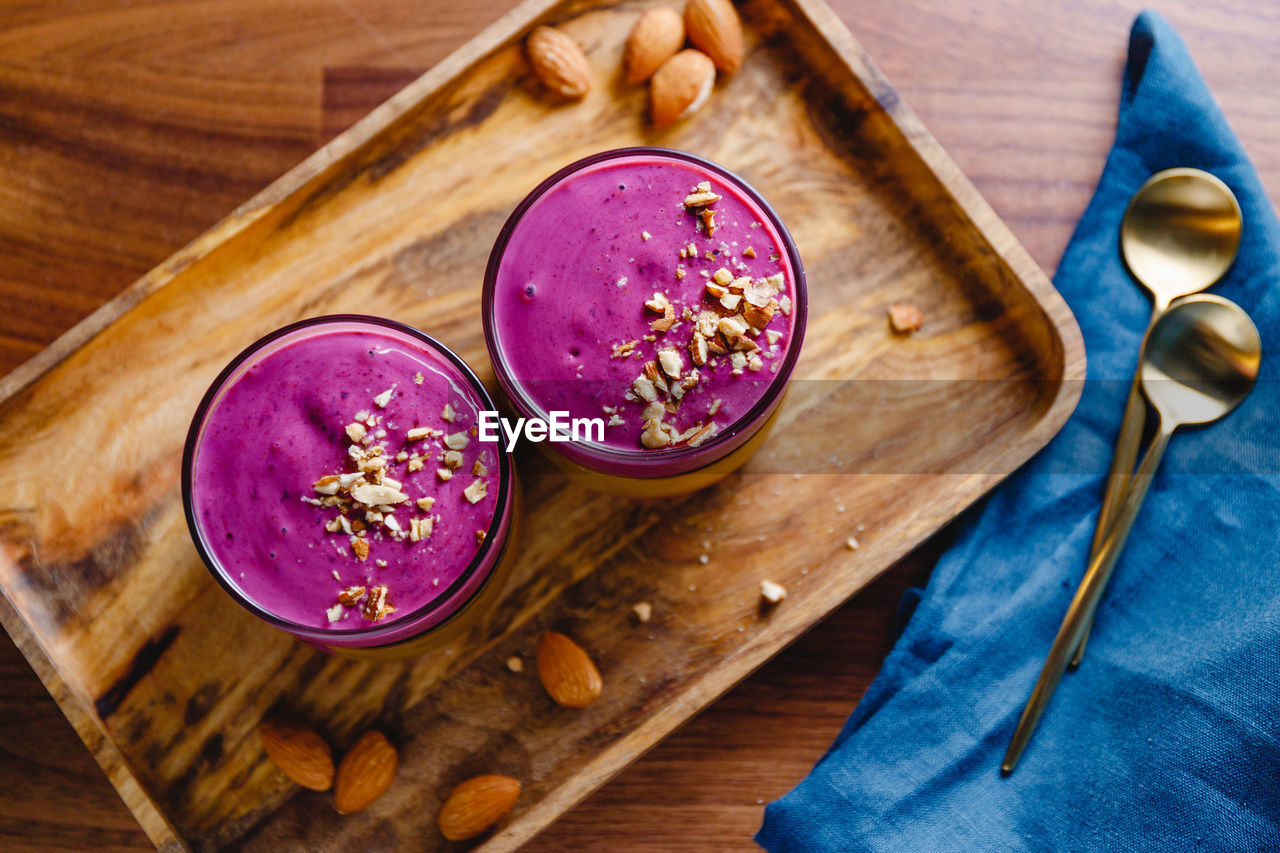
(327, 485)
(447, 414)
(416, 464)
(698, 349)
(754, 363)
(701, 435)
(350, 596)
(716, 291)
(426, 504)
(756, 316)
(654, 375)
(420, 528)
(785, 304)
(334, 613)
(378, 495)
(389, 521)
(417, 433)
(356, 431)
(402, 456)
(733, 327)
(738, 360)
(722, 277)
(376, 607)
(385, 397)
(654, 435)
(333, 525)
(715, 406)
(478, 469)
(456, 441)
(668, 320)
(672, 364)
(659, 303)
(360, 547)
(748, 252)
(644, 389)
(480, 537)
(452, 460)
(701, 196)
(623, 350)
(444, 474)
(773, 336)
(708, 217)
(476, 491)
(679, 273)
(417, 378)
(646, 236)
(730, 301)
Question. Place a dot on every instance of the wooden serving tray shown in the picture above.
(166, 679)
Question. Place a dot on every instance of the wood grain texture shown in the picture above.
(1043, 76)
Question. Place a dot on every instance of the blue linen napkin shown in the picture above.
(1168, 737)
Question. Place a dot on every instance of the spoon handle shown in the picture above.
(1126, 454)
(1085, 603)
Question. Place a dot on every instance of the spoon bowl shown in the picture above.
(1200, 360)
(1180, 233)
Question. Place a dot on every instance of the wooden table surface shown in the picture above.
(126, 129)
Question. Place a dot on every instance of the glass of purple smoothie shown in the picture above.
(334, 486)
(659, 292)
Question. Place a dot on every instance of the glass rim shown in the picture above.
(219, 572)
(720, 444)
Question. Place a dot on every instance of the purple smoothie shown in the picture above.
(572, 281)
(312, 406)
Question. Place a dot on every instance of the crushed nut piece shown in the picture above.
(417, 378)
(476, 491)
(351, 596)
(904, 318)
(672, 364)
(375, 606)
(356, 431)
(334, 613)
(426, 504)
(851, 543)
(452, 459)
(748, 252)
(385, 397)
(418, 433)
(447, 414)
(659, 303)
(456, 441)
(623, 350)
(378, 495)
(772, 592)
(708, 217)
(646, 236)
(701, 196)
(360, 547)
(480, 537)
(420, 528)
(444, 474)
(654, 435)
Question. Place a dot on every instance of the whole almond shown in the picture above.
(365, 772)
(559, 62)
(714, 26)
(299, 752)
(680, 86)
(477, 804)
(655, 38)
(567, 671)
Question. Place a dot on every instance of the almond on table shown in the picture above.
(657, 35)
(299, 752)
(559, 62)
(567, 672)
(365, 773)
(477, 804)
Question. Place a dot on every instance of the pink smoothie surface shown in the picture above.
(281, 426)
(581, 262)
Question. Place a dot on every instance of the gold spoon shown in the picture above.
(1199, 360)
(1180, 234)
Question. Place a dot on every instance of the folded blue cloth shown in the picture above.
(1168, 737)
